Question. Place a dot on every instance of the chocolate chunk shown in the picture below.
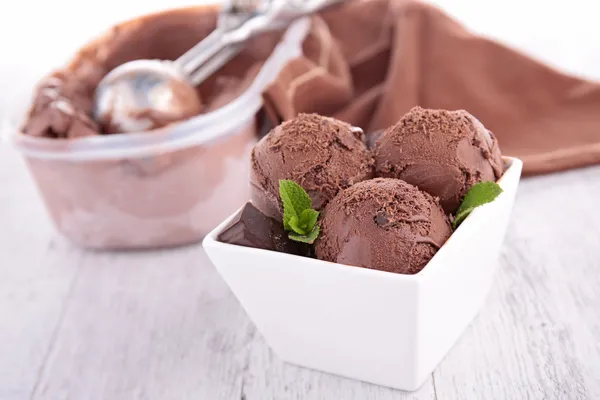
(381, 219)
(251, 228)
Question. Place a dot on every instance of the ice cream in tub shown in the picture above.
(159, 188)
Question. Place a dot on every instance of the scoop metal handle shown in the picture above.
(201, 53)
(214, 64)
(204, 58)
(235, 26)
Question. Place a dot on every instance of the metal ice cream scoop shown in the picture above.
(147, 94)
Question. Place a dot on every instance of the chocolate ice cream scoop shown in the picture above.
(384, 224)
(323, 155)
(442, 152)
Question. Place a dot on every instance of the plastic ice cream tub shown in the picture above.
(163, 188)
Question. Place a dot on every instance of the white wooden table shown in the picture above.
(162, 325)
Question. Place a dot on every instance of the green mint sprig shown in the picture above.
(299, 218)
(481, 193)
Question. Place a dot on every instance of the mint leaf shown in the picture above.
(481, 193)
(295, 226)
(309, 238)
(295, 201)
(298, 215)
(308, 219)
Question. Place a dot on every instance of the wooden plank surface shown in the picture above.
(539, 335)
(163, 325)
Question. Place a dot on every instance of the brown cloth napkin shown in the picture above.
(368, 62)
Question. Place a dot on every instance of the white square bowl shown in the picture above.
(379, 327)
